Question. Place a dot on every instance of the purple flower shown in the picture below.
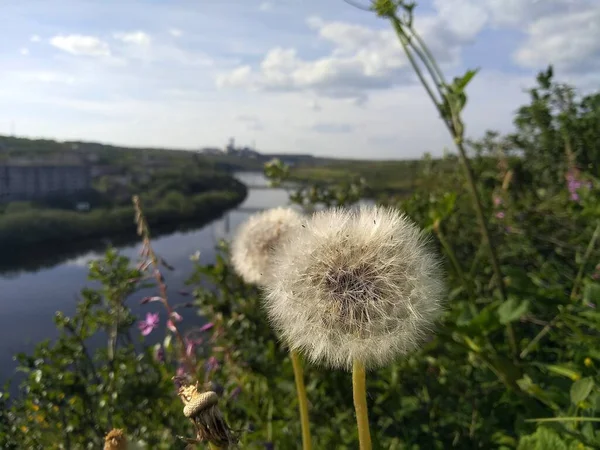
(211, 364)
(574, 184)
(189, 347)
(150, 323)
(175, 317)
(500, 215)
(159, 354)
(207, 326)
(234, 394)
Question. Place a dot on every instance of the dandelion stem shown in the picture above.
(360, 404)
(302, 400)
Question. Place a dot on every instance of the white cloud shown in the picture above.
(251, 121)
(24, 51)
(175, 32)
(265, 6)
(314, 105)
(332, 127)
(35, 38)
(80, 45)
(363, 58)
(134, 37)
(568, 41)
(522, 12)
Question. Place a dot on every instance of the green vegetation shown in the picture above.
(170, 196)
(513, 364)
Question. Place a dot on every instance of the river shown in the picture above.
(30, 296)
(34, 287)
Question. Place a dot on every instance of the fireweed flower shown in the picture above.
(257, 237)
(175, 317)
(574, 184)
(354, 285)
(150, 323)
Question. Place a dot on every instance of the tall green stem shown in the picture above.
(549, 325)
(456, 129)
(302, 400)
(359, 389)
(584, 261)
(452, 256)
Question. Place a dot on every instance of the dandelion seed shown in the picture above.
(343, 290)
(257, 237)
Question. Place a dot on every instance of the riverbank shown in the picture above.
(21, 231)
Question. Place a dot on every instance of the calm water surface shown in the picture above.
(30, 298)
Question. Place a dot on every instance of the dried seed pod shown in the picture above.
(115, 440)
(202, 409)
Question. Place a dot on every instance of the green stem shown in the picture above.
(406, 46)
(452, 256)
(458, 140)
(359, 389)
(456, 129)
(548, 327)
(302, 400)
(586, 257)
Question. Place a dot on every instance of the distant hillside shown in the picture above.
(138, 158)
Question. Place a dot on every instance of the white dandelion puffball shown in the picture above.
(257, 237)
(358, 284)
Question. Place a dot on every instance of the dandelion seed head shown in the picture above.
(257, 237)
(355, 285)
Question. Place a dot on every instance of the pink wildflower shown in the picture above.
(207, 326)
(212, 364)
(150, 323)
(175, 317)
(500, 215)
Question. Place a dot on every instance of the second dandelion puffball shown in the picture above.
(355, 285)
(256, 239)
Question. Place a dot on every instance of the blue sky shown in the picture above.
(291, 76)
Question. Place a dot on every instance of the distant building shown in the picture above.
(28, 180)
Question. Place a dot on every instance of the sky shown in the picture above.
(286, 76)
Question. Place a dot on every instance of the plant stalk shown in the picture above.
(302, 400)
(359, 389)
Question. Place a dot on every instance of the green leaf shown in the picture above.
(562, 370)
(591, 293)
(461, 82)
(512, 310)
(581, 389)
(542, 439)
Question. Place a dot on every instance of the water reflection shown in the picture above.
(44, 280)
